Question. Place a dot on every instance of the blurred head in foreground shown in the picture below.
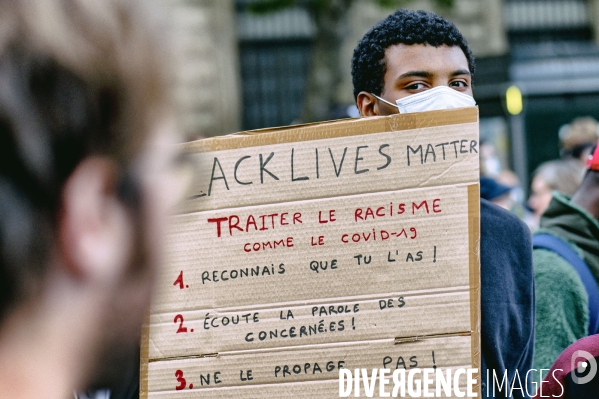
(559, 175)
(85, 185)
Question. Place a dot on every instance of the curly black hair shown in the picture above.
(405, 27)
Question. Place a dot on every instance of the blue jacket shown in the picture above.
(507, 301)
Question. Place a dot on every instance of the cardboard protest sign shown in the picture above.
(303, 250)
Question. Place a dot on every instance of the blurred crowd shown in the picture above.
(502, 186)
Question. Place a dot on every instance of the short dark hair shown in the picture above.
(402, 27)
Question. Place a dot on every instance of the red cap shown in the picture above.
(593, 161)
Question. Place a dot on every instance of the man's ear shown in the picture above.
(367, 104)
(96, 231)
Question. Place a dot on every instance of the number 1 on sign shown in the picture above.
(179, 281)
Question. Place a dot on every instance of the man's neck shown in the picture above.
(587, 197)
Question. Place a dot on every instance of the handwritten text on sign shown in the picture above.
(350, 237)
(331, 167)
(374, 247)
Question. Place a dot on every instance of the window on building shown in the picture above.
(274, 54)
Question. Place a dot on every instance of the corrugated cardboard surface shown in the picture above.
(327, 166)
(316, 363)
(338, 248)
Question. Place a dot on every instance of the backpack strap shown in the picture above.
(563, 249)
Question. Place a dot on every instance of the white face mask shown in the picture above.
(440, 97)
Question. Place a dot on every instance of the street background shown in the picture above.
(264, 63)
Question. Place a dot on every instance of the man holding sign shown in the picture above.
(416, 61)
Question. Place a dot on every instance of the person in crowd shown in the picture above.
(577, 138)
(574, 374)
(566, 267)
(88, 173)
(491, 167)
(490, 162)
(495, 192)
(417, 61)
(562, 175)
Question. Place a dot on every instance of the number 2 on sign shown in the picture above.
(179, 319)
(180, 380)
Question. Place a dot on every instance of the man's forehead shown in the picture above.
(402, 58)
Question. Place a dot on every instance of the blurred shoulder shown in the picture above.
(502, 225)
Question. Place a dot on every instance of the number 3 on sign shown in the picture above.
(180, 380)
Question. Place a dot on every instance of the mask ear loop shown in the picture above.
(385, 101)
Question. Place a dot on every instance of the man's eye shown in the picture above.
(416, 86)
(459, 84)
